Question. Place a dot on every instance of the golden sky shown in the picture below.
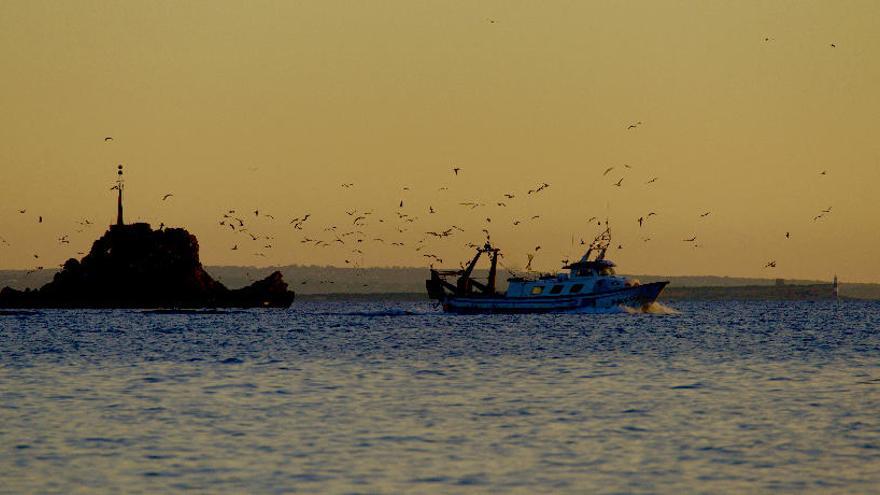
(274, 105)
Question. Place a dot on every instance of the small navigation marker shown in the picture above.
(120, 185)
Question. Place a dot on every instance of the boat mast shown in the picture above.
(490, 283)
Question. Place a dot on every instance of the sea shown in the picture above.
(396, 397)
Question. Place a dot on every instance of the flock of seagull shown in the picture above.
(353, 234)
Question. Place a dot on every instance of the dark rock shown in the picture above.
(134, 266)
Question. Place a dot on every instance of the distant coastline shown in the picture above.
(408, 283)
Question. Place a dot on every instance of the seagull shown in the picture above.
(591, 219)
(456, 170)
(787, 235)
(509, 196)
(824, 172)
(167, 196)
(22, 211)
(401, 204)
(537, 248)
(692, 239)
(108, 138)
(633, 126)
(652, 181)
(431, 209)
(770, 264)
(235, 247)
(833, 45)
(609, 169)
(705, 214)
(618, 183)
(641, 219)
(40, 219)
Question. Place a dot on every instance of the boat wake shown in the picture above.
(655, 308)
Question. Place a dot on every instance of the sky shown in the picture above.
(273, 106)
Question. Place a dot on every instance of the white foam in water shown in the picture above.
(654, 308)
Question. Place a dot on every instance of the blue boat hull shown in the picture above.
(637, 296)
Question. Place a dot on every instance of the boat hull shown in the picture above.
(636, 297)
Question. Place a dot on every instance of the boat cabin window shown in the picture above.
(575, 288)
(556, 289)
(584, 272)
(606, 271)
(537, 290)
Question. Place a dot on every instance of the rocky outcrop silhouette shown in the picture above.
(134, 266)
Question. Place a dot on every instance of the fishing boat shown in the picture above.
(590, 285)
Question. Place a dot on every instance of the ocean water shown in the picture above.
(394, 397)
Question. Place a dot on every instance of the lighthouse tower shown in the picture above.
(119, 187)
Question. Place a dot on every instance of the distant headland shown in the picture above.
(135, 266)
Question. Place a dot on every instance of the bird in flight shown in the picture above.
(788, 235)
(609, 169)
(108, 138)
(401, 204)
(633, 126)
(167, 196)
(641, 219)
(456, 170)
(509, 196)
(692, 239)
(652, 181)
(833, 45)
(235, 247)
(705, 214)
(591, 219)
(22, 211)
(824, 172)
(770, 264)
(619, 183)
(40, 219)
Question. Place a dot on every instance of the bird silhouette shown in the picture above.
(641, 219)
(705, 214)
(619, 183)
(692, 239)
(456, 170)
(607, 170)
(167, 196)
(770, 264)
(108, 138)
(652, 181)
